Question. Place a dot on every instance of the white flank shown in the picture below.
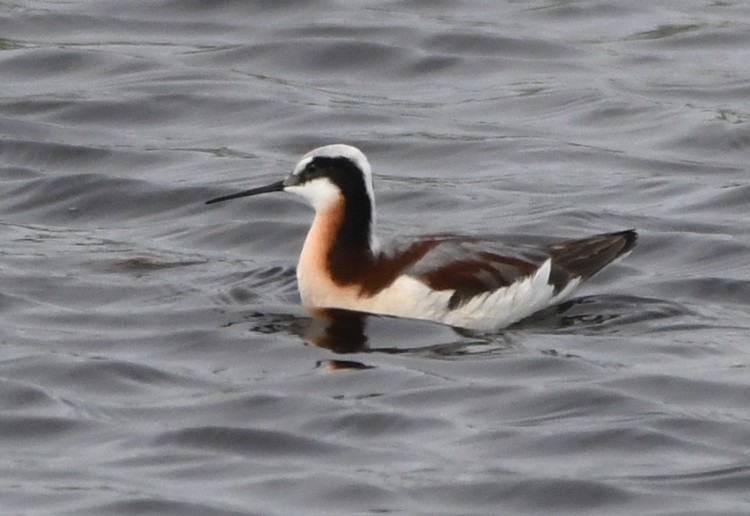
(490, 311)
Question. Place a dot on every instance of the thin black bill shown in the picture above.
(274, 187)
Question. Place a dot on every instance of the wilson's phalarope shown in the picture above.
(468, 282)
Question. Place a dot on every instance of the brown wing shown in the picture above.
(473, 266)
(585, 257)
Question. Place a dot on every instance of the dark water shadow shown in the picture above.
(609, 314)
(347, 332)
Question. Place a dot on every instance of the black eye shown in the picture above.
(312, 170)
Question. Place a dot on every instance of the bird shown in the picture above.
(464, 281)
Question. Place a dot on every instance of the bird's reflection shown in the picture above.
(341, 331)
(346, 332)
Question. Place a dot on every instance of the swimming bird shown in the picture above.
(470, 282)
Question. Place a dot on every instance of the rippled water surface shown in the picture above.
(154, 358)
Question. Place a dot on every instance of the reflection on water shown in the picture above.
(348, 332)
(604, 314)
(341, 331)
(344, 331)
(332, 366)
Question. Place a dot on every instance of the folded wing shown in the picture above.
(474, 266)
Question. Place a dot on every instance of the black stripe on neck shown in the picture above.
(351, 247)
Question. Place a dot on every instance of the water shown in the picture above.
(153, 355)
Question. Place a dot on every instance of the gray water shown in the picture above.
(154, 358)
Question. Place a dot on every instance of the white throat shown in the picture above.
(320, 193)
